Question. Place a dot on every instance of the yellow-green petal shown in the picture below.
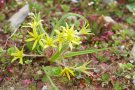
(30, 39)
(31, 34)
(35, 32)
(46, 46)
(41, 43)
(34, 45)
(15, 58)
(72, 73)
(71, 46)
(67, 73)
(21, 61)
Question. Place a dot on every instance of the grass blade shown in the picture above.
(57, 55)
(71, 54)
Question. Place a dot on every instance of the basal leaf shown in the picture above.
(71, 54)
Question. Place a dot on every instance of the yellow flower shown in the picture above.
(35, 37)
(48, 41)
(84, 29)
(71, 36)
(67, 71)
(60, 38)
(83, 68)
(36, 21)
(18, 55)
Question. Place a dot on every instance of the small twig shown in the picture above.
(107, 68)
(11, 35)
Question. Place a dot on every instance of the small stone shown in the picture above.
(108, 2)
(44, 88)
(19, 16)
(96, 70)
(108, 19)
(128, 76)
(90, 3)
(39, 72)
(12, 88)
(122, 47)
(131, 61)
(133, 81)
(75, 1)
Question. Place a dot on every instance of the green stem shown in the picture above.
(50, 80)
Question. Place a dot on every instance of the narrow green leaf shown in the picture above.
(71, 54)
(15, 58)
(34, 45)
(71, 14)
(57, 55)
(30, 39)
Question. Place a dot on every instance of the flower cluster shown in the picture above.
(65, 35)
(62, 38)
